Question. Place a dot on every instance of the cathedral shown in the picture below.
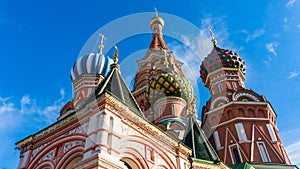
(156, 125)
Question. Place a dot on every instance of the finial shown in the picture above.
(156, 12)
(101, 46)
(213, 40)
(116, 55)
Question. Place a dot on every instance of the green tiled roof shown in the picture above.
(198, 142)
(240, 166)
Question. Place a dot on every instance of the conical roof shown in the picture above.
(116, 86)
(198, 142)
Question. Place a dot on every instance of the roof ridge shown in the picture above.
(120, 90)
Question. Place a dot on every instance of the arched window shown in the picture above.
(129, 163)
(72, 162)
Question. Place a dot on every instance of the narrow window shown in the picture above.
(217, 140)
(271, 132)
(150, 154)
(220, 88)
(160, 112)
(111, 125)
(263, 152)
(234, 85)
(241, 132)
(236, 156)
(173, 110)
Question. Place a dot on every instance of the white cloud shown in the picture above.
(267, 62)
(289, 23)
(293, 74)
(25, 100)
(219, 27)
(27, 112)
(293, 152)
(198, 46)
(290, 3)
(251, 36)
(272, 47)
(62, 95)
(5, 107)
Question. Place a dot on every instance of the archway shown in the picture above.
(129, 163)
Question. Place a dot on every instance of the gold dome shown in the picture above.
(157, 19)
(167, 84)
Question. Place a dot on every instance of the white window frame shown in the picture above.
(217, 140)
(263, 152)
(241, 132)
(234, 86)
(160, 112)
(173, 110)
(220, 86)
(271, 132)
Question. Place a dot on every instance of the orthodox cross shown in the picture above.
(213, 41)
(101, 46)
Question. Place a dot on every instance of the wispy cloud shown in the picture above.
(290, 3)
(272, 47)
(267, 61)
(293, 74)
(5, 106)
(293, 152)
(289, 23)
(251, 36)
(27, 110)
(197, 47)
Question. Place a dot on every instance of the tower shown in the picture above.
(87, 72)
(161, 90)
(240, 123)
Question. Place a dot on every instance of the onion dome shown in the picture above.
(97, 64)
(167, 84)
(219, 58)
(158, 20)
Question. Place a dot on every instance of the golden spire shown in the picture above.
(156, 12)
(116, 55)
(101, 46)
(213, 40)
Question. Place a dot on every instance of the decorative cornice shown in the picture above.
(223, 69)
(239, 103)
(45, 131)
(55, 126)
(147, 125)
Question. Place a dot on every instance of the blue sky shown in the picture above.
(40, 41)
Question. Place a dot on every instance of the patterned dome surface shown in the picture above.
(219, 58)
(91, 64)
(167, 84)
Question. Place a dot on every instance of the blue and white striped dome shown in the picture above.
(91, 64)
